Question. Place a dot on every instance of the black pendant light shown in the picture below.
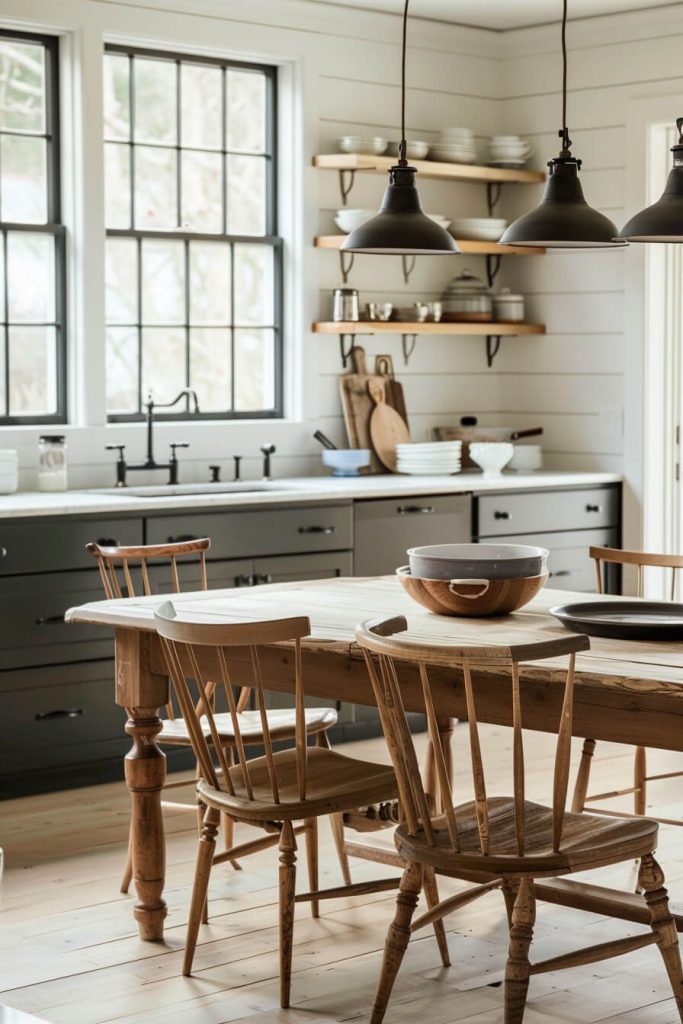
(400, 226)
(564, 220)
(663, 221)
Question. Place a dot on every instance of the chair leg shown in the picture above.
(639, 780)
(286, 885)
(518, 968)
(397, 938)
(651, 879)
(205, 851)
(432, 896)
(337, 826)
(128, 873)
(510, 890)
(583, 776)
(312, 858)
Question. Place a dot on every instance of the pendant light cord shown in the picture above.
(564, 133)
(402, 144)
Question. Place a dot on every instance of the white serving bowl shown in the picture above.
(527, 458)
(355, 144)
(483, 228)
(416, 149)
(477, 561)
(350, 219)
(492, 456)
(346, 461)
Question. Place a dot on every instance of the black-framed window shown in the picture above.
(194, 261)
(32, 238)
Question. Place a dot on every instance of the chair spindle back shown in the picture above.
(117, 565)
(384, 650)
(641, 559)
(197, 649)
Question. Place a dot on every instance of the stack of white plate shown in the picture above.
(455, 146)
(527, 458)
(433, 458)
(486, 229)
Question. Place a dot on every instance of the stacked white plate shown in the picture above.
(433, 458)
(486, 229)
(455, 146)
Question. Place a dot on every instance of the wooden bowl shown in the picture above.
(471, 598)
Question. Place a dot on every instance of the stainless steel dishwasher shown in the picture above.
(383, 529)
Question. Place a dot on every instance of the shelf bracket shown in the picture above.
(345, 351)
(493, 261)
(346, 180)
(492, 348)
(407, 347)
(345, 264)
(408, 264)
(493, 190)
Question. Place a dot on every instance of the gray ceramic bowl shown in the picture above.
(477, 561)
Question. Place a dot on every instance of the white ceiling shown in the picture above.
(500, 14)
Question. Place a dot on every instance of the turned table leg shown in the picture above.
(143, 692)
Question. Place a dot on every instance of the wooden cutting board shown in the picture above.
(358, 406)
(393, 389)
(387, 428)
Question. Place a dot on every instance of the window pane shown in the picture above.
(30, 277)
(254, 285)
(116, 96)
(155, 100)
(23, 184)
(163, 362)
(246, 111)
(210, 367)
(121, 281)
(22, 86)
(117, 185)
(156, 204)
(209, 283)
(122, 369)
(201, 89)
(163, 282)
(33, 371)
(246, 195)
(202, 178)
(254, 370)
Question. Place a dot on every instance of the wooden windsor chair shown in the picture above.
(581, 798)
(273, 791)
(501, 842)
(161, 565)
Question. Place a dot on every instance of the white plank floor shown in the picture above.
(69, 952)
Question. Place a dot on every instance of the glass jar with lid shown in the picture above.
(52, 468)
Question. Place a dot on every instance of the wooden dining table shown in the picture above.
(627, 692)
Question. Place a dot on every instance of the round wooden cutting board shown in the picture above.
(387, 428)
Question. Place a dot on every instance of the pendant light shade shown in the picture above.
(564, 220)
(401, 227)
(663, 221)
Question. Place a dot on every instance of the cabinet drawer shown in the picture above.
(570, 566)
(540, 511)
(52, 544)
(385, 529)
(290, 568)
(263, 532)
(32, 612)
(57, 716)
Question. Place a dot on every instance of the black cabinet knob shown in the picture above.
(501, 515)
(592, 508)
(317, 529)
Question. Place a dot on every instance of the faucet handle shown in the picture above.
(121, 467)
(178, 444)
(268, 449)
(215, 474)
(120, 448)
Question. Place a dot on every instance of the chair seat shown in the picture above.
(588, 840)
(281, 721)
(335, 783)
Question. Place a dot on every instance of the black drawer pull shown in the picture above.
(50, 620)
(50, 716)
(593, 508)
(181, 538)
(108, 542)
(263, 577)
(317, 529)
(415, 510)
(564, 572)
(243, 581)
(501, 515)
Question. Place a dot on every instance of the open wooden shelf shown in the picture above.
(428, 168)
(475, 248)
(480, 328)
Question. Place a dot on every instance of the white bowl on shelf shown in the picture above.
(349, 219)
(527, 458)
(485, 229)
(416, 149)
(492, 456)
(368, 147)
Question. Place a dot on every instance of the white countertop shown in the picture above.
(290, 491)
